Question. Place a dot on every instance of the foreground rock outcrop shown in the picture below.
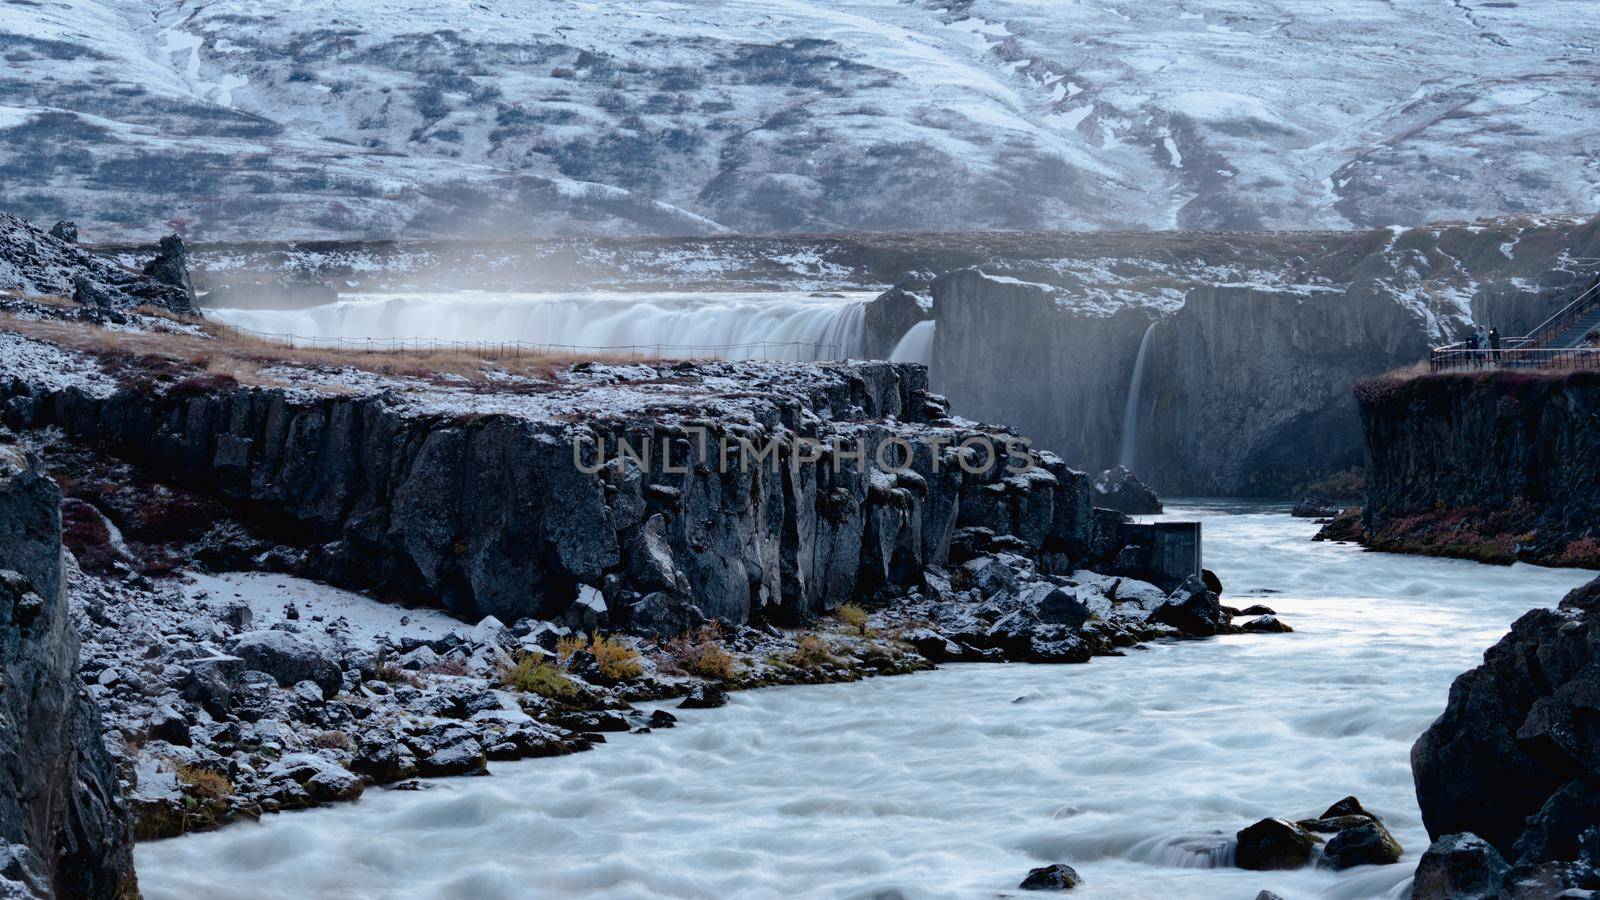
(1498, 466)
(1508, 778)
(35, 261)
(63, 824)
(729, 491)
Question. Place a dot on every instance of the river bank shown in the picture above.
(1135, 770)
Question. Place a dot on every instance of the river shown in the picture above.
(1135, 770)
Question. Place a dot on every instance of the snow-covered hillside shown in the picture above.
(321, 118)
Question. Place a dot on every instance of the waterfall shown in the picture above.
(1130, 413)
(733, 325)
(916, 345)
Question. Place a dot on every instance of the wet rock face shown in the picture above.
(59, 797)
(1515, 756)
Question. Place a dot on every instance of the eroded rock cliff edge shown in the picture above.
(63, 825)
(1497, 465)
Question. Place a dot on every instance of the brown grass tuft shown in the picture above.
(700, 653)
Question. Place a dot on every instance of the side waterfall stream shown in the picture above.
(1135, 770)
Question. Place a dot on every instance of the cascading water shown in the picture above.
(1131, 413)
(916, 345)
(743, 325)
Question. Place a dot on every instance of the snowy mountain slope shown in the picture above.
(317, 118)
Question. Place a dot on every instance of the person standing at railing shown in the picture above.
(1494, 345)
(1477, 341)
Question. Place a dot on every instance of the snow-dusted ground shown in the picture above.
(1136, 771)
(270, 598)
(327, 118)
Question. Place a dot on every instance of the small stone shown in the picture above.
(1057, 877)
(705, 696)
(1368, 844)
(1265, 625)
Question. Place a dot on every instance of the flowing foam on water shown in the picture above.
(1131, 412)
(1135, 770)
(742, 325)
(916, 346)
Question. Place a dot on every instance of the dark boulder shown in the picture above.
(705, 696)
(1057, 877)
(1265, 625)
(1515, 755)
(65, 231)
(1274, 844)
(1313, 507)
(661, 615)
(1459, 867)
(1193, 610)
(171, 268)
(1368, 843)
(1119, 489)
(88, 293)
(289, 659)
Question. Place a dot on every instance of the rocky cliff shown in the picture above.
(1246, 389)
(619, 483)
(1499, 466)
(63, 825)
(1515, 760)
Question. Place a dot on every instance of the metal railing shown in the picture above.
(1529, 351)
(1566, 316)
(1457, 358)
(802, 351)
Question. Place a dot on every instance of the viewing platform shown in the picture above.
(1558, 343)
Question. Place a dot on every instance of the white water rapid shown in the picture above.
(1133, 410)
(732, 325)
(1135, 770)
(916, 345)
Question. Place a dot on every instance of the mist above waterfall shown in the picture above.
(733, 325)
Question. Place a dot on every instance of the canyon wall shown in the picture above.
(1245, 385)
(1247, 391)
(1496, 465)
(512, 515)
(1017, 351)
(63, 826)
